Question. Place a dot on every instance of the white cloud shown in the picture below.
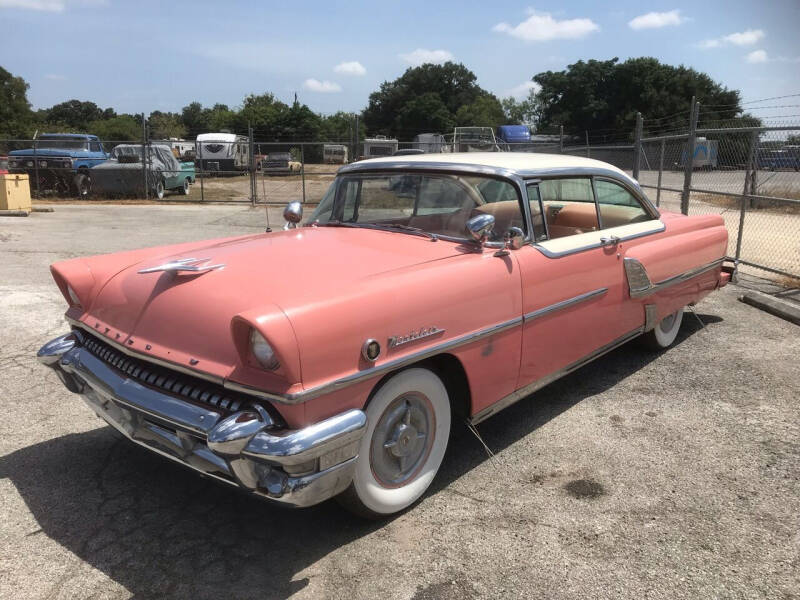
(350, 68)
(420, 56)
(656, 20)
(521, 91)
(53, 76)
(757, 56)
(542, 27)
(323, 87)
(741, 38)
(46, 5)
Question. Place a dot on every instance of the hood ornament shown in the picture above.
(184, 265)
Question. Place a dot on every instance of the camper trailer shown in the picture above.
(222, 152)
(379, 146)
(431, 143)
(334, 154)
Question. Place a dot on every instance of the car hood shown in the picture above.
(43, 152)
(185, 318)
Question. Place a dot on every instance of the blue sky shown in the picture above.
(139, 56)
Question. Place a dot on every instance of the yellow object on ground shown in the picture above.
(15, 193)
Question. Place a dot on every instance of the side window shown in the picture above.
(568, 206)
(95, 147)
(535, 200)
(617, 205)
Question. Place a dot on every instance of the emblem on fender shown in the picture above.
(417, 334)
(184, 265)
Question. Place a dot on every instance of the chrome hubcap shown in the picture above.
(402, 440)
(667, 322)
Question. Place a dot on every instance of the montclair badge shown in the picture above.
(413, 336)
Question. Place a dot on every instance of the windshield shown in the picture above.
(436, 204)
(62, 143)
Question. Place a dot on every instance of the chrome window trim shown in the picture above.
(359, 376)
(563, 304)
(670, 281)
(548, 379)
(633, 236)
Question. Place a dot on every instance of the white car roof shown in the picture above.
(216, 137)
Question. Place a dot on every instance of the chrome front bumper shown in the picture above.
(246, 448)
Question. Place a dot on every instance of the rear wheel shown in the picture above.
(158, 192)
(408, 426)
(664, 334)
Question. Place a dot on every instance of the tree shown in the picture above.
(594, 95)
(522, 112)
(195, 119)
(454, 84)
(425, 113)
(16, 117)
(485, 111)
(121, 128)
(165, 125)
(76, 114)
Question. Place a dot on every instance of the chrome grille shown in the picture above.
(177, 384)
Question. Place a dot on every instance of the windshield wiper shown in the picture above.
(381, 226)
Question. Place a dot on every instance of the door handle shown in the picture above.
(609, 241)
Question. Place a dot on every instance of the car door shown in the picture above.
(574, 293)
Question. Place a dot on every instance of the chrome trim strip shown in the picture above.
(377, 370)
(633, 236)
(670, 281)
(563, 304)
(548, 379)
(146, 357)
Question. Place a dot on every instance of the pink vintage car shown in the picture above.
(330, 359)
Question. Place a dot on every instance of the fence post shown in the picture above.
(660, 172)
(637, 145)
(587, 144)
(303, 168)
(199, 148)
(561, 139)
(252, 164)
(750, 169)
(36, 170)
(144, 158)
(689, 166)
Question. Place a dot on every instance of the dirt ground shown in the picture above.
(643, 475)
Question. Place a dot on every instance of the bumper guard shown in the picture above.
(296, 467)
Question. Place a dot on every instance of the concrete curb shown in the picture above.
(774, 306)
(14, 213)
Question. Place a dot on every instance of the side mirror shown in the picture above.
(513, 239)
(480, 227)
(293, 213)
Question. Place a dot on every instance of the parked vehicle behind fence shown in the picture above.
(123, 174)
(334, 154)
(280, 163)
(59, 162)
(380, 146)
(222, 153)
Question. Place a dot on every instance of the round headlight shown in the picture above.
(29, 163)
(42, 163)
(262, 351)
(73, 296)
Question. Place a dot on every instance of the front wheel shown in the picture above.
(158, 192)
(185, 188)
(664, 334)
(83, 185)
(408, 426)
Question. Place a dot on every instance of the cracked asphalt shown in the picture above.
(667, 475)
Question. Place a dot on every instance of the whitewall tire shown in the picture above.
(665, 332)
(408, 427)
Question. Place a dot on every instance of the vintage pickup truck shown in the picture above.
(122, 174)
(330, 359)
(61, 161)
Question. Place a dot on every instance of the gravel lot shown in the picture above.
(671, 475)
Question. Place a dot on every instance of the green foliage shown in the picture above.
(485, 111)
(522, 112)
(16, 117)
(595, 94)
(399, 107)
(165, 125)
(75, 115)
(338, 127)
(121, 128)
